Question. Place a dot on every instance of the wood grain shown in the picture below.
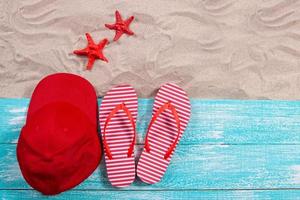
(157, 195)
(231, 150)
(212, 121)
(196, 167)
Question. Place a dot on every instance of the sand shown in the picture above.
(213, 49)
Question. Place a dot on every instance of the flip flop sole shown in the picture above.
(152, 165)
(119, 134)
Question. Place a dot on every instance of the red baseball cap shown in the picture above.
(59, 146)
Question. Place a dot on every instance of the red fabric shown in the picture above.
(59, 145)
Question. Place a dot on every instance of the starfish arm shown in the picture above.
(110, 26)
(89, 39)
(102, 57)
(118, 16)
(81, 51)
(102, 43)
(118, 35)
(91, 61)
(128, 31)
(129, 20)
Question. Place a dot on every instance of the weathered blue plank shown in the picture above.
(196, 167)
(12, 118)
(260, 161)
(212, 122)
(155, 195)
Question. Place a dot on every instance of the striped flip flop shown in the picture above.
(117, 117)
(170, 117)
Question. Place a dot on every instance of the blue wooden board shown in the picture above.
(157, 195)
(231, 149)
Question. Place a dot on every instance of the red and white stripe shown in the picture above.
(119, 134)
(152, 165)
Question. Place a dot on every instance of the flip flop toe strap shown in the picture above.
(164, 107)
(123, 107)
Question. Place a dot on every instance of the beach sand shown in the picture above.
(216, 49)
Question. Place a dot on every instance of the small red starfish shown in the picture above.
(121, 26)
(93, 51)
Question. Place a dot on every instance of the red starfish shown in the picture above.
(121, 26)
(93, 51)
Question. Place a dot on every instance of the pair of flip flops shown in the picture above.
(59, 145)
(117, 117)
